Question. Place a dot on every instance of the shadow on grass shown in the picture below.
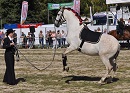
(85, 78)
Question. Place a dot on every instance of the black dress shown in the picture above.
(9, 76)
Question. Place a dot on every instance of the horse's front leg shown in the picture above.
(64, 57)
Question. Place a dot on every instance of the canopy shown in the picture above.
(117, 1)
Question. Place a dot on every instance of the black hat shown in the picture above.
(9, 31)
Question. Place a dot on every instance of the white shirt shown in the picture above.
(63, 35)
(11, 39)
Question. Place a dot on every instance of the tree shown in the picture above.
(10, 10)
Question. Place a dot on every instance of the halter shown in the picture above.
(62, 18)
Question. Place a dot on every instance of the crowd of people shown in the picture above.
(53, 39)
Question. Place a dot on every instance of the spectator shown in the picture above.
(15, 38)
(50, 39)
(29, 40)
(41, 39)
(33, 40)
(63, 38)
(98, 29)
(54, 39)
(129, 21)
(58, 36)
(2, 37)
(24, 40)
(47, 39)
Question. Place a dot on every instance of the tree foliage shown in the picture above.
(10, 10)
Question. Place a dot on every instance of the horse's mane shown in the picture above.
(76, 14)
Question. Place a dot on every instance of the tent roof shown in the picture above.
(117, 1)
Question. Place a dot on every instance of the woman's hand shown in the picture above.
(12, 44)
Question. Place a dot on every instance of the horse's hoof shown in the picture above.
(101, 83)
(67, 69)
(64, 69)
(109, 80)
(17, 60)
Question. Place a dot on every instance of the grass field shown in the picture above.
(85, 72)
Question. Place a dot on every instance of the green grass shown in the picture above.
(85, 72)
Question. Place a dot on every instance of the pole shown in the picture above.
(20, 40)
(107, 20)
(48, 16)
(1, 23)
(122, 12)
(116, 15)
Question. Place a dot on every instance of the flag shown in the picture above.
(24, 12)
(76, 6)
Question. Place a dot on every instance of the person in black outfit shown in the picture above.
(8, 44)
(120, 27)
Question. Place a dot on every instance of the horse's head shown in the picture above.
(60, 17)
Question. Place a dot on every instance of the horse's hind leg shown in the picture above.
(108, 66)
(113, 62)
(64, 57)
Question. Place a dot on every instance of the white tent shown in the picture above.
(117, 1)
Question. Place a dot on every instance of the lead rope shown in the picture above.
(34, 65)
(17, 56)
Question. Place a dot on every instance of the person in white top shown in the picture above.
(129, 21)
(63, 38)
(41, 39)
(58, 36)
(53, 35)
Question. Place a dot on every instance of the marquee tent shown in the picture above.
(117, 1)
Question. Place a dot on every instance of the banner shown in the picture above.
(24, 12)
(117, 1)
(29, 25)
(76, 6)
(52, 6)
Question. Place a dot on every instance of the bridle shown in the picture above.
(61, 19)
